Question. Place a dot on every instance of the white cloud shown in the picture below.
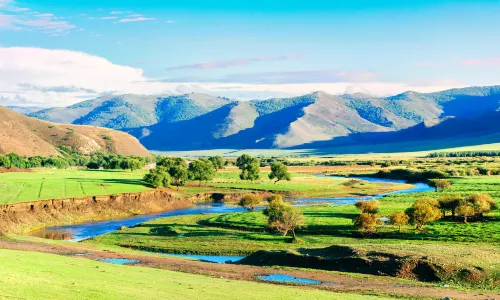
(138, 19)
(22, 18)
(61, 77)
(108, 18)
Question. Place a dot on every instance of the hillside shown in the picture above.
(29, 136)
(198, 121)
(132, 111)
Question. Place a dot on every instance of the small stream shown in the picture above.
(80, 232)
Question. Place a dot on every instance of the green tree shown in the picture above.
(423, 211)
(370, 207)
(179, 174)
(218, 161)
(4, 161)
(114, 164)
(399, 218)
(450, 203)
(35, 161)
(250, 201)
(274, 208)
(465, 210)
(279, 171)
(201, 170)
(366, 222)
(16, 161)
(440, 184)
(249, 166)
(131, 163)
(158, 177)
(290, 218)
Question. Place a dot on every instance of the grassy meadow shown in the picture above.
(30, 275)
(53, 184)
(72, 183)
(448, 241)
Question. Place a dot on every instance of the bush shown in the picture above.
(423, 211)
(399, 219)
(368, 206)
(250, 201)
(158, 177)
(366, 222)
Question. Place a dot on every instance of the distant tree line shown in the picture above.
(464, 154)
(71, 158)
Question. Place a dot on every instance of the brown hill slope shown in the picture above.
(28, 136)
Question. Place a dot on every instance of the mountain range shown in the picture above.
(198, 121)
(29, 136)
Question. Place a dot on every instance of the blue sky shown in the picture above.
(248, 49)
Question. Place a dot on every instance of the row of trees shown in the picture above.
(70, 158)
(250, 169)
(176, 170)
(426, 210)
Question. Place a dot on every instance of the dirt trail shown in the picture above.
(332, 281)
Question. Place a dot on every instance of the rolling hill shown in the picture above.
(29, 136)
(198, 121)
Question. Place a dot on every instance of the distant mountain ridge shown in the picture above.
(198, 121)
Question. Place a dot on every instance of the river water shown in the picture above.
(83, 231)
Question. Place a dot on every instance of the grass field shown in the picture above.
(28, 275)
(53, 184)
(304, 185)
(243, 233)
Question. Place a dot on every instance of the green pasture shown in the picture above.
(30, 275)
(54, 184)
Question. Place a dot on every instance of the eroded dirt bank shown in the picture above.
(27, 216)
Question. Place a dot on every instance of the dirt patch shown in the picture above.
(14, 170)
(331, 281)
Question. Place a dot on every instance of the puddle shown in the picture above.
(288, 279)
(119, 261)
(218, 259)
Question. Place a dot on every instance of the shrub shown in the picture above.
(158, 177)
(368, 206)
(366, 222)
(250, 201)
(274, 208)
(440, 184)
(290, 218)
(423, 211)
(399, 219)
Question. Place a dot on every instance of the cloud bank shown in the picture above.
(45, 77)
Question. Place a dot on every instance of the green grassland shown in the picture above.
(474, 244)
(53, 184)
(304, 185)
(72, 183)
(28, 275)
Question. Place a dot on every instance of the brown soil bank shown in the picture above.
(26, 216)
(346, 259)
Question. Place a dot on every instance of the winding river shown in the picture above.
(83, 231)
